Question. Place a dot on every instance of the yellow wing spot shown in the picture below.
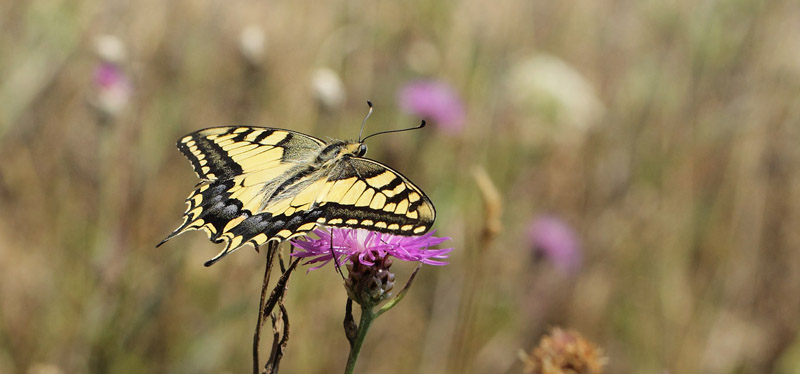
(194, 212)
(205, 169)
(284, 233)
(367, 222)
(259, 157)
(243, 149)
(240, 130)
(296, 235)
(378, 201)
(277, 207)
(289, 211)
(260, 238)
(225, 143)
(381, 180)
(389, 193)
(211, 176)
(335, 221)
(425, 210)
(394, 227)
(340, 189)
(202, 188)
(265, 175)
(196, 224)
(366, 198)
(412, 215)
(253, 135)
(306, 226)
(407, 227)
(413, 196)
(389, 207)
(201, 157)
(188, 141)
(354, 193)
(219, 139)
(232, 146)
(419, 230)
(402, 207)
(275, 137)
(250, 197)
(351, 221)
(202, 162)
(380, 225)
(235, 242)
(193, 149)
(197, 199)
(233, 223)
(309, 194)
(321, 220)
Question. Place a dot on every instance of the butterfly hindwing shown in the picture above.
(235, 165)
(367, 194)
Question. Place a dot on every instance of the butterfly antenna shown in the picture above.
(421, 125)
(369, 113)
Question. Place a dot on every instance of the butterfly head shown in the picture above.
(341, 148)
(354, 148)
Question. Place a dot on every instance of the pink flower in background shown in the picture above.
(436, 101)
(556, 241)
(112, 86)
(369, 247)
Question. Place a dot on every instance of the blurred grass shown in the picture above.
(683, 184)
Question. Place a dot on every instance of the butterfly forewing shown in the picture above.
(262, 184)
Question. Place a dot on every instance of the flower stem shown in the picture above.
(366, 320)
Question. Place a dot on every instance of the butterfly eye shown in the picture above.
(362, 150)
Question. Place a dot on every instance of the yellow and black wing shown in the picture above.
(362, 193)
(221, 153)
(238, 166)
(264, 184)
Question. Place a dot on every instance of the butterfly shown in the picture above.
(261, 184)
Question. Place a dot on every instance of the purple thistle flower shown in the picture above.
(112, 86)
(435, 100)
(555, 240)
(368, 247)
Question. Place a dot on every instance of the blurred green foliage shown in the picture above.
(665, 133)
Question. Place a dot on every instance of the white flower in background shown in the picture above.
(551, 90)
(252, 43)
(110, 48)
(328, 88)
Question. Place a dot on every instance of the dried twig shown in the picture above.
(280, 339)
(271, 250)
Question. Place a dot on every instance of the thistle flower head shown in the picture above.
(368, 247)
(113, 89)
(435, 100)
(554, 240)
(369, 285)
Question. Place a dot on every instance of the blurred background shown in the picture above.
(626, 169)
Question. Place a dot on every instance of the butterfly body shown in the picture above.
(263, 184)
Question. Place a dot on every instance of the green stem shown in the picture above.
(366, 320)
